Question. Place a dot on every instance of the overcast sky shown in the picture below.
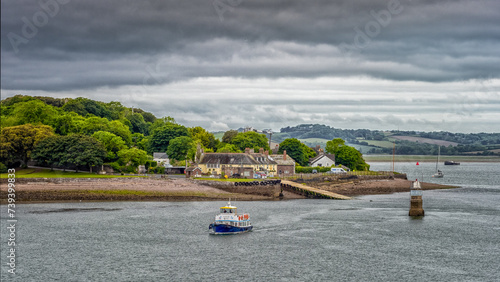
(376, 64)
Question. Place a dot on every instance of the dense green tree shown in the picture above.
(250, 139)
(228, 148)
(309, 152)
(179, 148)
(71, 150)
(137, 124)
(333, 145)
(117, 110)
(67, 123)
(84, 106)
(118, 128)
(132, 157)
(111, 142)
(34, 112)
(206, 138)
(140, 141)
(161, 122)
(160, 137)
(296, 150)
(350, 157)
(82, 150)
(229, 135)
(148, 117)
(17, 142)
(48, 152)
(93, 124)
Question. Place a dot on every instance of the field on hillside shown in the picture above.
(383, 144)
(425, 140)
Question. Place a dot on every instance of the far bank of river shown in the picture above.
(429, 158)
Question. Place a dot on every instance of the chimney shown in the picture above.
(247, 150)
(284, 155)
(266, 153)
(261, 151)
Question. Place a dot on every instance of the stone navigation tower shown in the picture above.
(416, 199)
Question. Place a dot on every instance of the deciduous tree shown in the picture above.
(179, 147)
(295, 149)
(160, 137)
(250, 139)
(17, 142)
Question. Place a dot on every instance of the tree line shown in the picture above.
(86, 133)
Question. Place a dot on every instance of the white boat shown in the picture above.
(228, 221)
(438, 174)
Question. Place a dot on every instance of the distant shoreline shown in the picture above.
(430, 158)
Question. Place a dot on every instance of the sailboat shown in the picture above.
(438, 174)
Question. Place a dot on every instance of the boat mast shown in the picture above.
(439, 152)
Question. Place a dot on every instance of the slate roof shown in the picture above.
(235, 159)
(160, 156)
(280, 161)
(330, 156)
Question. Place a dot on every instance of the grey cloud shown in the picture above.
(93, 43)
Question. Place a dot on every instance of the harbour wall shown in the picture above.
(270, 188)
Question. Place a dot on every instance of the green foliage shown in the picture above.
(229, 135)
(137, 124)
(333, 145)
(18, 142)
(70, 150)
(3, 168)
(228, 148)
(111, 142)
(34, 112)
(84, 106)
(352, 158)
(250, 140)
(161, 122)
(148, 117)
(296, 150)
(310, 153)
(160, 137)
(93, 124)
(159, 170)
(67, 123)
(132, 157)
(206, 139)
(179, 147)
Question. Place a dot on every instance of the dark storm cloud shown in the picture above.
(90, 44)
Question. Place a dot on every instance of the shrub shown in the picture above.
(159, 170)
(3, 168)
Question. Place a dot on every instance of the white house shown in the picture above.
(323, 159)
(161, 159)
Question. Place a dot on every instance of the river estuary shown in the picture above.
(370, 238)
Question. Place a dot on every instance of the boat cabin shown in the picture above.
(228, 209)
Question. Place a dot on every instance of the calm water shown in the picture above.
(369, 238)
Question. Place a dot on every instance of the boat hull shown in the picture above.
(224, 229)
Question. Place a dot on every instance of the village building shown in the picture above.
(238, 164)
(324, 160)
(161, 159)
(285, 164)
(193, 172)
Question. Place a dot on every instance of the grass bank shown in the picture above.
(47, 173)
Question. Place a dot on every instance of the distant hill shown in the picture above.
(407, 142)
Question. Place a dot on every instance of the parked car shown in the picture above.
(314, 171)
